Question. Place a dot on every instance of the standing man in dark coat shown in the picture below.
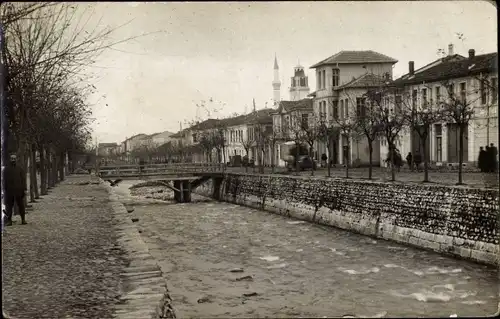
(482, 159)
(493, 159)
(15, 190)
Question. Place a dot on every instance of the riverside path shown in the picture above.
(69, 261)
(222, 260)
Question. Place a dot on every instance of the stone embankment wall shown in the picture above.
(457, 221)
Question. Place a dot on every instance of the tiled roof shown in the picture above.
(107, 144)
(366, 80)
(263, 116)
(347, 57)
(164, 132)
(453, 69)
(141, 135)
(288, 106)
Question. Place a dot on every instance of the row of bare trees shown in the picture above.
(387, 112)
(46, 51)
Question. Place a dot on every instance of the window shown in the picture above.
(438, 94)
(463, 93)
(302, 82)
(324, 79)
(346, 112)
(342, 116)
(305, 121)
(342, 105)
(398, 101)
(195, 138)
(318, 80)
(451, 90)
(324, 109)
(414, 99)
(494, 90)
(360, 107)
(335, 77)
(482, 90)
(335, 113)
(424, 97)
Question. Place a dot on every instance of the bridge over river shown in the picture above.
(222, 260)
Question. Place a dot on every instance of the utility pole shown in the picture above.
(3, 114)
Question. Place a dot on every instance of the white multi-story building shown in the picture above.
(341, 82)
(473, 79)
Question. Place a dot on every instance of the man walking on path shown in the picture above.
(15, 190)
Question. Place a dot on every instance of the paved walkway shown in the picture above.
(66, 262)
(471, 179)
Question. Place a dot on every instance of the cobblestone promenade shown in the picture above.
(471, 179)
(66, 262)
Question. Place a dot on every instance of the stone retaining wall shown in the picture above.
(147, 295)
(452, 220)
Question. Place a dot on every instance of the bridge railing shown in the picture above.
(155, 169)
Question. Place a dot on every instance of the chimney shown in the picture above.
(411, 66)
(472, 53)
(450, 49)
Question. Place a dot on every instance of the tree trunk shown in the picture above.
(30, 174)
(311, 151)
(347, 165)
(43, 171)
(55, 160)
(272, 158)
(34, 171)
(50, 175)
(391, 156)
(23, 162)
(426, 159)
(460, 154)
(370, 159)
(296, 158)
(248, 161)
(61, 166)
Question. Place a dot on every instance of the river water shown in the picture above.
(291, 268)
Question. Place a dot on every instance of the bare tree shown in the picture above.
(247, 144)
(327, 132)
(419, 118)
(458, 108)
(346, 126)
(311, 130)
(366, 124)
(293, 130)
(392, 120)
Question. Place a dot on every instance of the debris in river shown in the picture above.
(250, 294)
(236, 270)
(135, 220)
(130, 209)
(250, 278)
(204, 299)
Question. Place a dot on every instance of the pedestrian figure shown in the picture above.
(15, 190)
(417, 160)
(487, 159)
(481, 160)
(409, 159)
(493, 159)
(323, 160)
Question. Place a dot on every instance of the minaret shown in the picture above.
(299, 88)
(276, 82)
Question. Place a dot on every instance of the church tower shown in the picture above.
(299, 88)
(276, 83)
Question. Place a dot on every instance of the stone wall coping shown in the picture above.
(148, 299)
(364, 181)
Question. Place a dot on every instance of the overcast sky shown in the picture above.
(225, 51)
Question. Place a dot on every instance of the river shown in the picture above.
(223, 260)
